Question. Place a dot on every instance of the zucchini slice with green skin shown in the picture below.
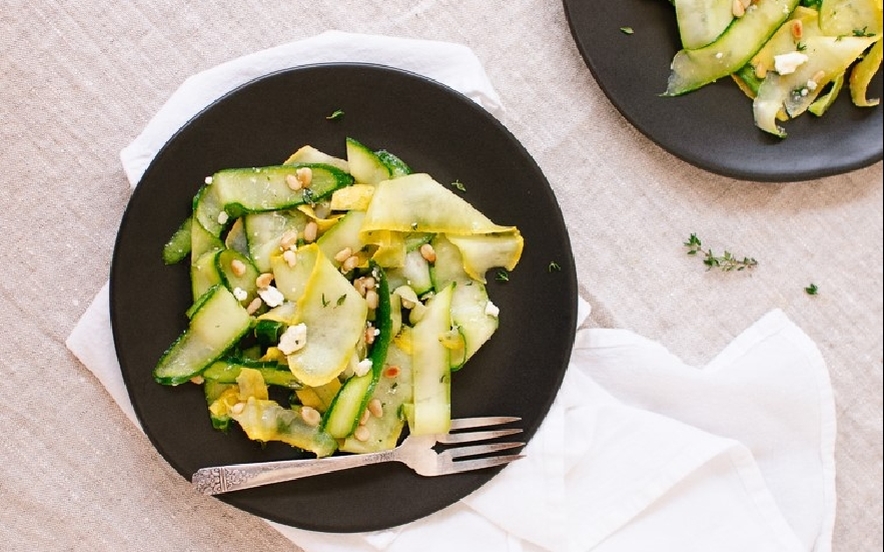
(432, 370)
(700, 22)
(392, 391)
(178, 246)
(264, 230)
(343, 235)
(208, 208)
(261, 189)
(397, 166)
(204, 274)
(346, 409)
(202, 241)
(692, 69)
(216, 326)
(242, 279)
(228, 369)
(365, 165)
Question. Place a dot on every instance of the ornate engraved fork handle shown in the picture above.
(222, 479)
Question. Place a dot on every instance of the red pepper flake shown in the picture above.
(391, 371)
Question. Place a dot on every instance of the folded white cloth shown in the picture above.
(639, 451)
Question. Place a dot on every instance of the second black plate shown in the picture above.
(713, 127)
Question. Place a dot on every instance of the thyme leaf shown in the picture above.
(727, 262)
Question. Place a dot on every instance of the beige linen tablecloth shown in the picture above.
(78, 81)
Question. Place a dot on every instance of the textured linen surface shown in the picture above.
(78, 81)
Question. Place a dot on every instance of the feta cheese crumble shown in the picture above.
(363, 367)
(240, 294)
(293, 339)
(272, 296)
(786, 64)
(491, 309)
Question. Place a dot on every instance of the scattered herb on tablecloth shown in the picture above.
(458, 185)
(553, 267)
(502, 276)
(336, 114)
(812, 289)
(627, 30)
(727, 262)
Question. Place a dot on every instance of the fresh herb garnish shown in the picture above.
(336, 114)
(627, 30)
(862, 32)
(458, 185)
(309, 196)
(341, 300)
(811, 289)
(726, 262)
(324, 300)
(502, 276)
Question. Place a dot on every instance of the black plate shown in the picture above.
(712, 127)
(435, 130)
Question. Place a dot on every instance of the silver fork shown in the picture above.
(416, 451)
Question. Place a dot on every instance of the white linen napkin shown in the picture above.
(639, 451)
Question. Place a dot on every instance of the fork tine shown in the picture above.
(481, 463)
(470, 436)
(476, 450)
(467, 423)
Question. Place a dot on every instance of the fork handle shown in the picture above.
(222, 479)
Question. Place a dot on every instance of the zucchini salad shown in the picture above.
(788, 56)
(352, 286)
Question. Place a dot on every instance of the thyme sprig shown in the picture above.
(726, 262)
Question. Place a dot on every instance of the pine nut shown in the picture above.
(304, 176)
(738, 9)
(288, 239)
(343, 254)
(237, 267)
(819, 76)
(369, 335)
(310, 415)
(310, 231)
(761, 70)
(359, 286)
(362, 433)
(366, 414)
(290, 257)
(376, 408)
(293, 182)
(238, 408)
(428, 253)
(349, 264)
(371, 299)
(264, 280)
(254, 305)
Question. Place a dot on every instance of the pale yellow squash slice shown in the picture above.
(335, 314)
(417, 203)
